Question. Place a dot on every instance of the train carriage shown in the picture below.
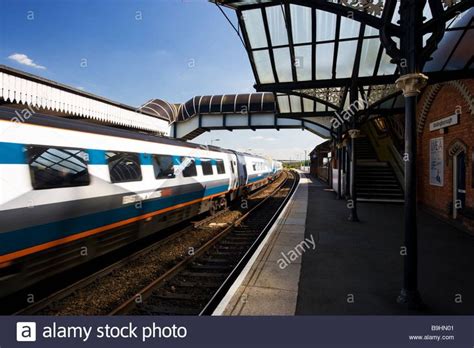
(71, 191)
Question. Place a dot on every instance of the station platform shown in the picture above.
(268, 286)
(354, 268)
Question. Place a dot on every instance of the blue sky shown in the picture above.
(132, 51)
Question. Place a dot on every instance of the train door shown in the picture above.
(234, 177)
(241, 169)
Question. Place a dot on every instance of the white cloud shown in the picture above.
(23, 59)
(80, 87)
(260, 137)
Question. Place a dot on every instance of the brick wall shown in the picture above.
(445, 103)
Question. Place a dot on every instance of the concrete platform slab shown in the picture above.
(261, 300)
(269, 285)
(355, 268)
(358, 268)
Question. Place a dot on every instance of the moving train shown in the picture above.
(71, 190)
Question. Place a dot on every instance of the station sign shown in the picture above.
(444, 122)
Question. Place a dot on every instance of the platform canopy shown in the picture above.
(312, 53)
(31, 93)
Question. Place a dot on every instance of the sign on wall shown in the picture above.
(444, 122)
(436, 162)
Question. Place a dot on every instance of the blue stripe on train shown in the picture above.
(13, 153)
(263, 176)
(35, 235)
(96, 156)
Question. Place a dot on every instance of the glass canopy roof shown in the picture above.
(310, 52)
(272, 45)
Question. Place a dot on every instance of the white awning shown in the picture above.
(30, 90)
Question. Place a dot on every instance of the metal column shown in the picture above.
(339, 165)
(354, 133)
(411, 19)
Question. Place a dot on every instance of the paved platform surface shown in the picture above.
(357, 267)
(271, 285)
(354, 268)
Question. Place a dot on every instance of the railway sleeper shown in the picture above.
(242, 234)
(190, 284)
(166, 310)
(179, 296)
(212, 260)
(223, 247)
(236, 243)
(241, 239)
(203, 274)
(211, 267)
(228, 253)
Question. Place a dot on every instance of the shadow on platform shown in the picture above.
(357, 268)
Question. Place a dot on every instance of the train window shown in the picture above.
(52, 167)
(163, 166)
(220, 166)
(189, 167)
(254, 166)
(123, 166)
(206, 165)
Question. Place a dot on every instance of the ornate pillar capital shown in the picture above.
(354, 133)
(339, 145)
(411, 84)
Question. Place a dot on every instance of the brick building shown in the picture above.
(320, 157)
(446, 151)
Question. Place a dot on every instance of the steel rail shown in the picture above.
(226, 285)
(146, 292)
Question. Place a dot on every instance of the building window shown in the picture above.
(206, 165)
(123, 166)
(190, 167)
(220, 166)
(52, 167)
(163, 166)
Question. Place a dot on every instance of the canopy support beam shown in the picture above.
(339, 163)
(353, 133)
(411, 82)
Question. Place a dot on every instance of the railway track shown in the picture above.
(196, 285)
(231, 252)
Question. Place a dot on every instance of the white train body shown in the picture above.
(71, 191)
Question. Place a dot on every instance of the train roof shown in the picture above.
(43, 119)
